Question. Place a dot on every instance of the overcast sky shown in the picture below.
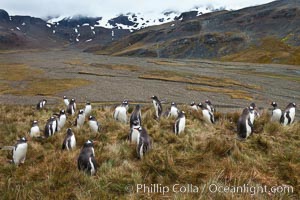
(44, 8)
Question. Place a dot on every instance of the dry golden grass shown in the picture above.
(233, 93)
(201, 156)
(76, 62)
(169, 63)
(194, 79)
(17, 72)
(270, 50)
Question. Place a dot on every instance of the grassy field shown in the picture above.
(203, 155)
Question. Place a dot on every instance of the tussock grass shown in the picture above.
(202, 155)
(17, 72)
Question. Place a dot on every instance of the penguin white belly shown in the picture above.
(80, 121)
(174, 112)
(19, 154)
(276, 115)
(141, 151)
(66, 101)
(134, 135)
(206, 116)
(73, 142)
(248, 129)
(292, 114)
(61, 122)
(252, 115)
(93, 125)
(35, 131)
(120, 114)
(93, 170)
(181, 126)
(88, 109)
(156, 108)
(209, 108)
(54, 126)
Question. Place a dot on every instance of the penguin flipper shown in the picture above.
(288, 117)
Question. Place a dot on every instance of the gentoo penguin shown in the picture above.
(19, 151)
(51, 127)
(179, 123)
(276, 112)
(66, 101)
(88, 108)
(61, 120)
(35, 130)
(288, 116)
(193, 106)
(120, 113)
(207, 115)
(157, 106)
(71, 107)
(255, 110)
(79, 121)
(134, 132)
(86, 161)
(143, 143)
(209, 106)
(69, 141)
(244, 125)
(94, 125)
(136, 115)
(173, 110)
(41, 104)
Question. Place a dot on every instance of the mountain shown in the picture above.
(219, 34)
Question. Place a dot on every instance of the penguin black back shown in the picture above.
(136, 115)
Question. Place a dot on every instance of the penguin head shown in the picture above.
(250, 108)
(23, 139)
(274, 104)
(173, 104)
(69, 131)
(201, 105)
(253, 105)
(88, 144)
(80, 112)
(154, 97)
(125, 102)
(136, 123)
(52, 118)
(140, 129)
(192, 103)
(138, 107)
(65, 97)
(88, 103)
(44, 100)
(91, 117)
(208, 102)
(294, 105)
(72, 100)
(34, 123)
(62, 112)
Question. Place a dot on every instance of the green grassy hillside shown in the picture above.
(202, 156)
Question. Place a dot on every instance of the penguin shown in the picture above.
(94, 125)
(134, 133)
(179, 125)
(255, 110)
(71, 107)
(120, 113)
(86, 160)
(209, 106)
(66, 101)
(51, 127)
(244, 125)
(35, 130)
(136, 115)
(41, 104)
(79, 121)
(157, 106)
(143, 143)
(276, 112)
(207, 115)
(193, 106)
(88, 108)
(288, 115)
(69, 142)
(173, 110)
(19, 151)
(252, 114)
(61, 120)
